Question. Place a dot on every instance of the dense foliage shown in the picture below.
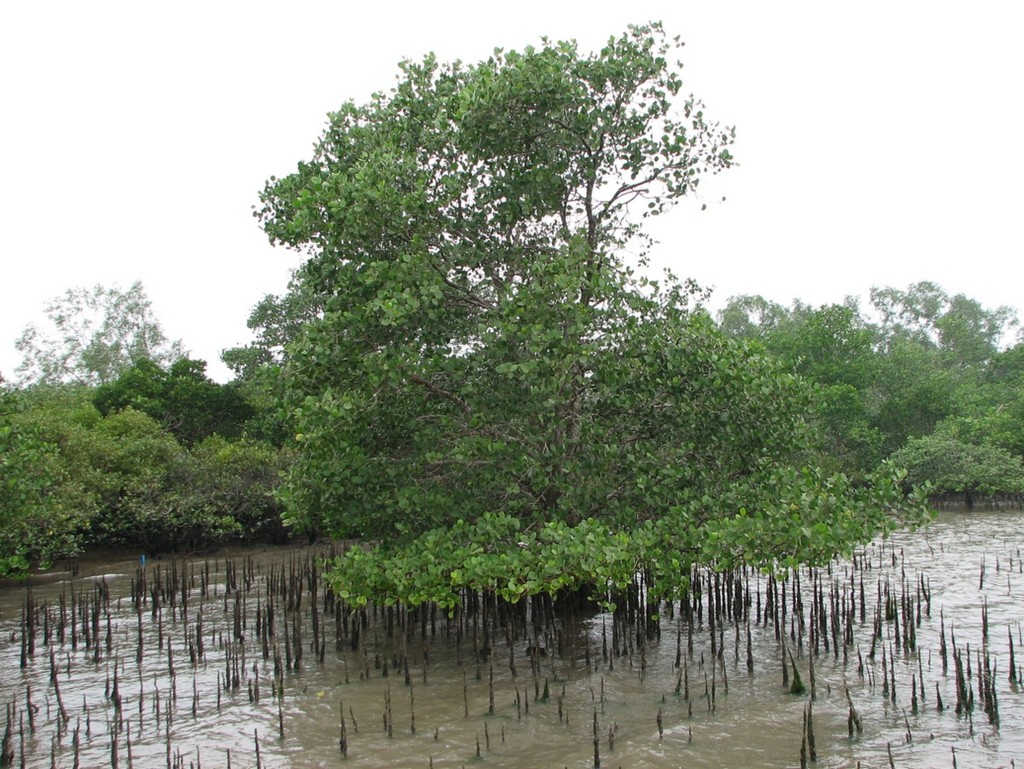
(787, 518)
(182, 398)
(953, 465)
(921, 377)
(72, 477)
(41, 503)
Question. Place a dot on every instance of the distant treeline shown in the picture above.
(159, 459)
(933, 381)
(155, 455)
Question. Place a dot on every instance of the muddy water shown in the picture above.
(124, 706)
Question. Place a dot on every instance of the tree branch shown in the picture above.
(440, 392)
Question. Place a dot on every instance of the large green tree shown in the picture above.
(482, 345)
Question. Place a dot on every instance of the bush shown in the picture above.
(237, 479)
(949, 464)
(69, 476)
(42, 505)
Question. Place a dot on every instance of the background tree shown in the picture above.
(920, 361)
(751, 317)
(182, 398)
(276, 321)
(942, 363)
(43, 505)
(92, 335)
(834, 349)
(965, 333)
(992, 410)
(912, 394)
(950, 465)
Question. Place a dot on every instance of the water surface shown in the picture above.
(227, 697)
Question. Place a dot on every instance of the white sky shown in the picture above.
(880, 142)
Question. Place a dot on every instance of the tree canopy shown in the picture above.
(482, 346)
(71, 477)
(182, 398)
(923, 377)
(92, 335)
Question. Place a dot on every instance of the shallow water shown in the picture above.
(441, 716)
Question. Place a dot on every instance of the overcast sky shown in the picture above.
(880, 143)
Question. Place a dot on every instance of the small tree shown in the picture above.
(92, 336)
(953, 466)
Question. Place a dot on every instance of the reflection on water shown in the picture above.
(197, 663)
